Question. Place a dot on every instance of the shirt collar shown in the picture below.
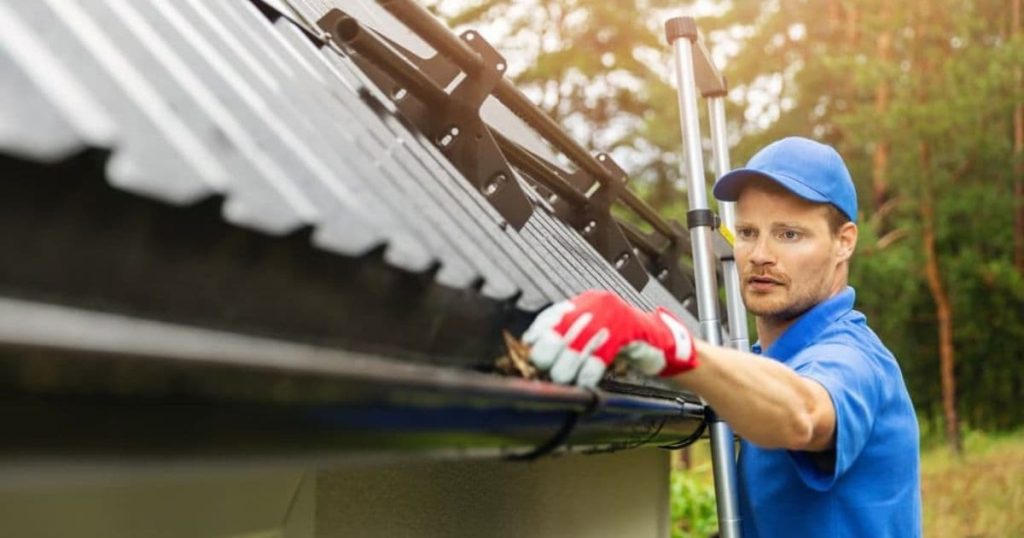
(809, 326)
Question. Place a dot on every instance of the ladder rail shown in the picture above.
(682, 35)
(737, 312)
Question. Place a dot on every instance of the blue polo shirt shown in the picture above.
(873, 487)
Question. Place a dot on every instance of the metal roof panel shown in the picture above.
(196, 99)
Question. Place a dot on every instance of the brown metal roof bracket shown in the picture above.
(416, 85)
(451, 120)
(594, 220)
(548, 181)
(659, 253)
(425, 25)
(663, 262)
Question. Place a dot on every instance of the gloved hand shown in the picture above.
(578, 339)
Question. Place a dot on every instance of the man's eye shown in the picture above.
(790, 235)
(746, 233)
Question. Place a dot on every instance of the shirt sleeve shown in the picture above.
(854, 382)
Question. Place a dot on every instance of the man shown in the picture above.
(830, 438)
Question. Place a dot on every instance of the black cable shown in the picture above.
(597, 402)
(615, 447)
(693, 437)
(689, 440)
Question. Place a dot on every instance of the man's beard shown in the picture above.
(784, 313)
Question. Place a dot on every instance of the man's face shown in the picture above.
(787, 256)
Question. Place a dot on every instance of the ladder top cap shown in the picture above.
(680, 27)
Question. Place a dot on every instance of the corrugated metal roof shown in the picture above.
(261, 189)
(197, 99)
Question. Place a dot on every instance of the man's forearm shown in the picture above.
(765, 402)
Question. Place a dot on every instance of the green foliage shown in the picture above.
(692, 505)
(953, 92)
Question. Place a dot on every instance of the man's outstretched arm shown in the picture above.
(764, 401)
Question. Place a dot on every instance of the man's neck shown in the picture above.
(769, 329)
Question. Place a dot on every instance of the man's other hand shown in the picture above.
(579, 338)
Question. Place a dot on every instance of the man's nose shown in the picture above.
(760, 252)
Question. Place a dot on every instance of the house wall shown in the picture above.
(110, 503)
(616, 495)
(623, 494)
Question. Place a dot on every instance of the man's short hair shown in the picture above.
(835, 217)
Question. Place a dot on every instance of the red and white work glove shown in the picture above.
(578, 339)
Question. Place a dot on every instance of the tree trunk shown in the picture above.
(1018, 189)
(664, 193)
(943, 308)
(833, 17)
(880, 160)
(684, 460)
(852, 22)
(1018, 153)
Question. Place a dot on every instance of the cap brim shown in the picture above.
(729, 186)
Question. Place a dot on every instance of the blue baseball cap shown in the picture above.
(808, 169)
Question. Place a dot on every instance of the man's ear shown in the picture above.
(846, 238)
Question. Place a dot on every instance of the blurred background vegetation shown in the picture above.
(978, 494)
(923, 98)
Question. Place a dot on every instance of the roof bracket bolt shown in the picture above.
(496, 183)
(448, 137)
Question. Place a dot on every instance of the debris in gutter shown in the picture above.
(516, 361)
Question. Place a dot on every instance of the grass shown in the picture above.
(978, 495)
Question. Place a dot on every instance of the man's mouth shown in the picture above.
(762, 283)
